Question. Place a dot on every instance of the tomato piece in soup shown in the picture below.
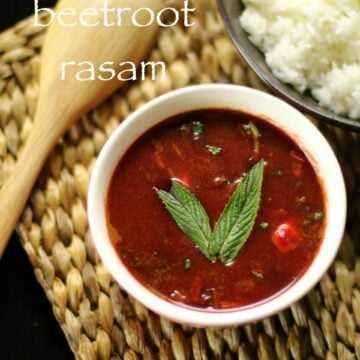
(286, 237)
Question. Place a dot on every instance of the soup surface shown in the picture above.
(208, 152)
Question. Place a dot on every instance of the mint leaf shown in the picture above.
(189, 215)
(234, 224)
(238, 217)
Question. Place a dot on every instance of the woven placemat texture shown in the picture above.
(99, 320)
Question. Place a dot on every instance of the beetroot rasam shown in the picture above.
(208, 152)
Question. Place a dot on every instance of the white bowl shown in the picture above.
(234, 97)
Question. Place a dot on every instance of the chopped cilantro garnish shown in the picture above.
(264, 225)
(187, 264)
(183, 127)
(257, 274)
(307, 223)
(197, 129)
(256, 135)
(318, 215)
(215, 150)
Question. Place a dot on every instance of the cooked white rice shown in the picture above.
(311, 44)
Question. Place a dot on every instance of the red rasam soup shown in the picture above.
(215, 209)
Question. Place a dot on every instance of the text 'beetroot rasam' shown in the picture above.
(215, 209)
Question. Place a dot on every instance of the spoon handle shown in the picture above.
(16, 191)
(61, 102)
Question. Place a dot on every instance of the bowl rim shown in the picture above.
(277, 86)
(333, 185)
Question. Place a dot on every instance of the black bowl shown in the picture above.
(230, 11)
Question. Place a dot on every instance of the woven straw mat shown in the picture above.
(99, 320)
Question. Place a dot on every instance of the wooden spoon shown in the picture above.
(62, 102)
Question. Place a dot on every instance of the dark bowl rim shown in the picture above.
(335, 120)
